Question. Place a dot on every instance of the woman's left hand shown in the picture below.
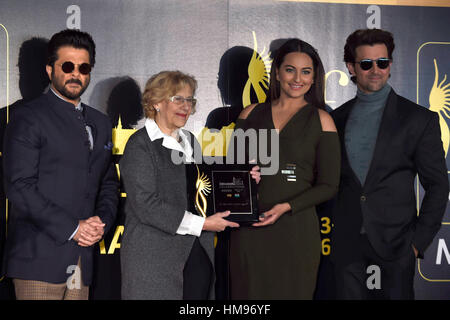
(256, 174)
(271, 216)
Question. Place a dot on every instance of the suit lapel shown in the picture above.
(341, 123)
(388, 126)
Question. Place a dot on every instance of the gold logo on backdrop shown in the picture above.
(216, 143)
(440, 103)
(120, 137)
(343, 82)
(115, 244)
(258, 74)
(421, 3)
(203, 186)
(6, 54)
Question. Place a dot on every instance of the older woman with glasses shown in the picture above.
(167, 252)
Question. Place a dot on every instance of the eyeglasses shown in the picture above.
(367, 64)
(68, 67)
(179, 100)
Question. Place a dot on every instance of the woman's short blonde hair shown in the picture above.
(162, 86)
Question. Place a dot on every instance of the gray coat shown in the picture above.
(152, 254)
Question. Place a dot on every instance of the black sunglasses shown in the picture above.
(367, 64)
(68, 67)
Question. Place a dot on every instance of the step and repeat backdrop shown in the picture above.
(227, 46)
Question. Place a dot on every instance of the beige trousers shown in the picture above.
(39, 290)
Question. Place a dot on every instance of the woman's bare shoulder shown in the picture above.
(326, 121)
(246, 111)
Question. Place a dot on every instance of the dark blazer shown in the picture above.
(53, 180)
(408, 143)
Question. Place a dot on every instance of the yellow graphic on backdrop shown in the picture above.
(439, 96)
(7, 71)
(115, 244)
(120, 137)
(215, 143)
(440, 103)
(258, 74)
(203, 186)
(420, 3)
(7, 115)
(343, 82)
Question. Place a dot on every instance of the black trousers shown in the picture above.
(197, 274)
(368, 277)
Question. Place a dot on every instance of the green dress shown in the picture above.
(281, 261)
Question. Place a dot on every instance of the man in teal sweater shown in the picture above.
(386, 140)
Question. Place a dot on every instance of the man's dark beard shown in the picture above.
(66, 93)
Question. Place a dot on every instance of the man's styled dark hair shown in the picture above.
(315, 95)
(369, 37)
(70, 38)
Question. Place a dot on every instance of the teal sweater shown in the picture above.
(362, 127)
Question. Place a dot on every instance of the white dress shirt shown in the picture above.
(191, 224)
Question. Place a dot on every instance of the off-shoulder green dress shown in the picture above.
(281, 261)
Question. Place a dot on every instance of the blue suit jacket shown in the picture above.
(53, 180)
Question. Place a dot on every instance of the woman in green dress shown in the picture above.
(278, 257)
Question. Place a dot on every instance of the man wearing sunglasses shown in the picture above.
(386, 141)
(59, 178)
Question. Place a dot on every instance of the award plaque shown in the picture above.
(215, 188)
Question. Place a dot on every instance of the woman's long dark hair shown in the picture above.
(315, 95)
